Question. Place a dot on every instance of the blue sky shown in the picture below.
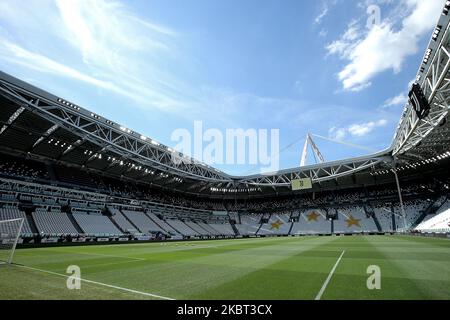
(297, 66)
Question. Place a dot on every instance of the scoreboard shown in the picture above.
(418, 101)
(301, 184)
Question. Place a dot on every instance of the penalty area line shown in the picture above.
(325, 284)
(98, 283)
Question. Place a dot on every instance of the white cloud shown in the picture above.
(323, 33)
(322, 14)
(344, 46)
(362, 129)
(361, 87)
(396, 101)
(365, 3)
(41, 63)
(337, 133)
(326, 7)
(356, 129)
(100, 43)
(44, 64)
(298, 86)
(383, 47)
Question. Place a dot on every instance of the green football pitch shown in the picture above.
(265, 268)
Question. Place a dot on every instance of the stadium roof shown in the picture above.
(417, 138)
(40, 124)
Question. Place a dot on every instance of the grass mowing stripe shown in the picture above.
(324, 286)
(287, 274)
(107, 255)
(99, 283)
(100, 255)
(279, 268)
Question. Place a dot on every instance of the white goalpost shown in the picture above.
(9, 236)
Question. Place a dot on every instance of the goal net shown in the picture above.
(9, 236)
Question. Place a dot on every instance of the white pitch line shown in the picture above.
(324, 286)
(99, 283)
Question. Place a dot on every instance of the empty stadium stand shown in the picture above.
(76, 203)
(182, 228)
(122, 222)
(249, 225)
(22, 168)
(96, 224)
(142, 222)
(8, 213)
(161, 223)
(53, 222)
(278, 224)
(353, 220)
(311, 222)
(223, 229)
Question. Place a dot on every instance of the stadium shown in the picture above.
(82, 193)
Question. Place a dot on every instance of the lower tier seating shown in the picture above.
(95, 224)
(8, 213)
(53, 223)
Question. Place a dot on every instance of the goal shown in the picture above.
(9, 236)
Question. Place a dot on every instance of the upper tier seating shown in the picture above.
(14, 167)
(413, 210)
(74, 176)
(384, 217)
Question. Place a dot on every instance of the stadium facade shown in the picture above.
(75, 176)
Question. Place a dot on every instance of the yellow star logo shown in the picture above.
(352, 222)
(312, 216)
(276, 225)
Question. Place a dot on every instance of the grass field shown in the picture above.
(266, 268)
